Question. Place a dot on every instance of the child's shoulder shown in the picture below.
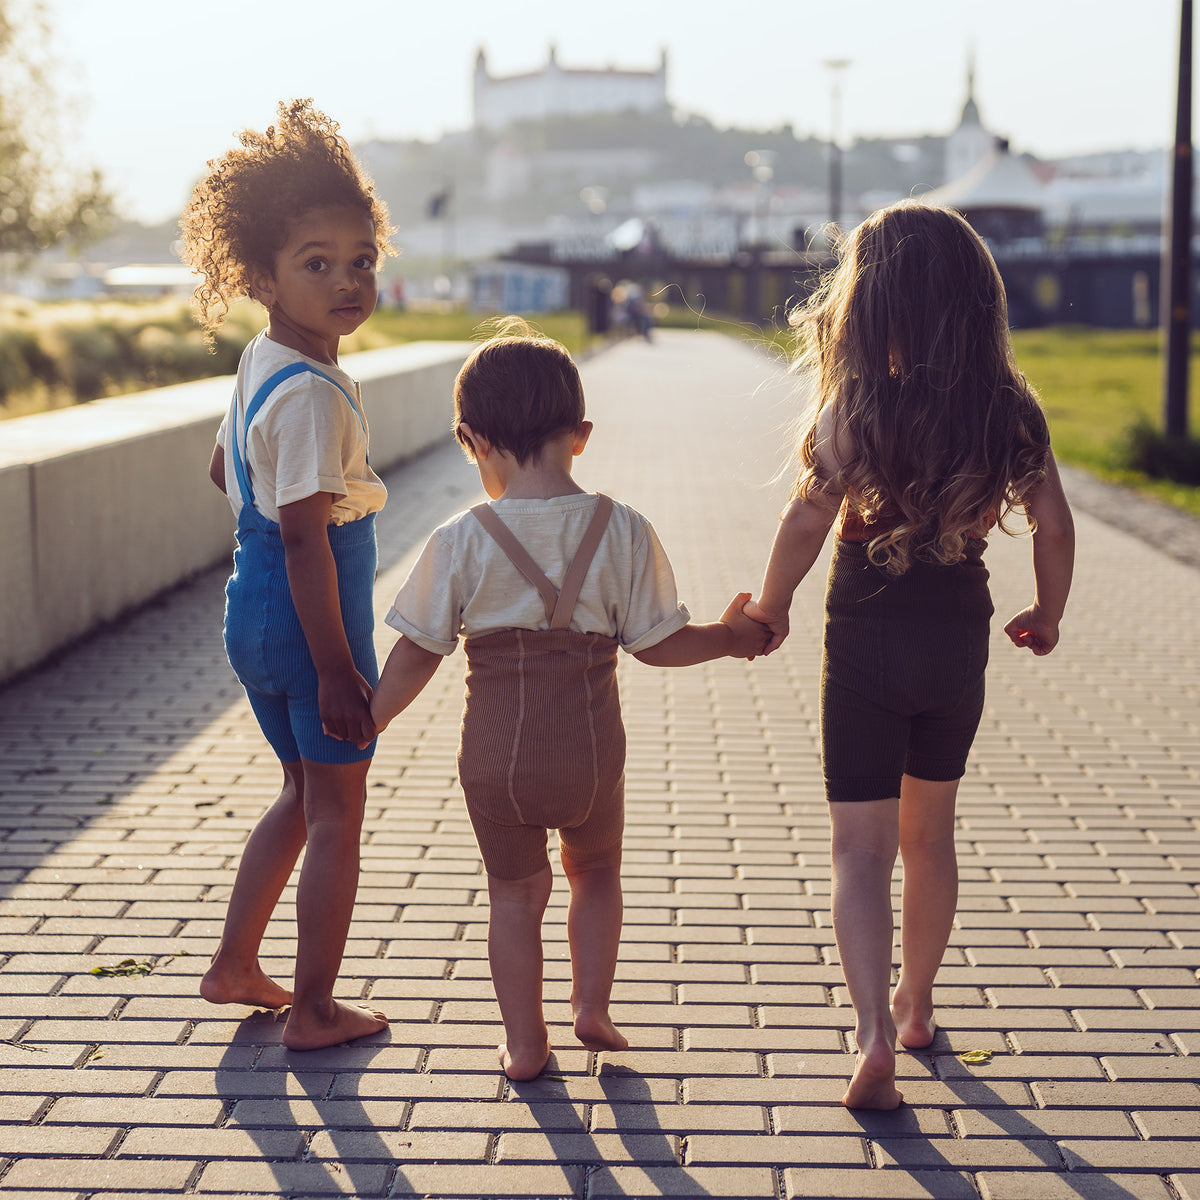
(286, 372)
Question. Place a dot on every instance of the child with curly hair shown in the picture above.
(290, 220)
(543, 584)
(924, 436)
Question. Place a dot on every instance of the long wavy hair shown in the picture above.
(239, 214)
(937, 434)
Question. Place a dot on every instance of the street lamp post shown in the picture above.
(1177, 252)
(836, 66)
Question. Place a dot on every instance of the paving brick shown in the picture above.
(1047, 1185)
(1034, 1041)
(103, 1175)
(294, 1112)
(471, 1181)
(303, 1178)
(168, 1143)
(800, 1183)
(1158, 1157)
(1052, 1093)
(548, 1116)
(714, 1149)
(572, 1147)
(971, 1154)
(745, 1183)
(385, 1145)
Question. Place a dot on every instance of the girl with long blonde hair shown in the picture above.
(923, 436)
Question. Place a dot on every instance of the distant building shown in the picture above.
(970, 142)
(1000, 195)
(557, 91)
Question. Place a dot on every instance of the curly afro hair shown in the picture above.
(238, 216)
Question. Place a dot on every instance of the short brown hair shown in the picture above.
(518, 389)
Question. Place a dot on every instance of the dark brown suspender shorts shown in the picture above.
(542, 744)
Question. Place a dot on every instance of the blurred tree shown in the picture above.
(43, 200)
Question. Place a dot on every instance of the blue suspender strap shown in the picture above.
(256, 403)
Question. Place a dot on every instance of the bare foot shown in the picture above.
(309, 1030)
(599, 1033)
(524, 1063)
(915, 1026)
(874, 1081)
(253, 987)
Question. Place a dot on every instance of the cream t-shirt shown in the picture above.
(309, 436)
(464, 585)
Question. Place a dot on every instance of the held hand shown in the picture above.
(1031, 629)
(749, 637)
(777, 623)
(377, 715)
(344, 702)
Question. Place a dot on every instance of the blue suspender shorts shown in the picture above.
(263, 636)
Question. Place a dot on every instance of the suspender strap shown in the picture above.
(518, 555)
(240, 466)
(559, 605)
(577, 571)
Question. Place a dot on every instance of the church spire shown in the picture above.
(970, 112)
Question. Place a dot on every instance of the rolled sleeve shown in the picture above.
(428, 606)
(663, 630)
(654, 611)
(432, 644)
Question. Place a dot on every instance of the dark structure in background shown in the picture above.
(1083, 282)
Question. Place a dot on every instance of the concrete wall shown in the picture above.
(107, 504)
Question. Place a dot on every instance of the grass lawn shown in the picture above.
(1095, 384)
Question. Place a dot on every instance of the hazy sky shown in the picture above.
(158, 86)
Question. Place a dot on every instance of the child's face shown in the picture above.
(324, 284)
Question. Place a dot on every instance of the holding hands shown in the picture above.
(750, 637)
(777, 624)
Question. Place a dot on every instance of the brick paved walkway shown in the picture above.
(131, 772)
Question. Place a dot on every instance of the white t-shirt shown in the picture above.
(309, 436)
(464, 584)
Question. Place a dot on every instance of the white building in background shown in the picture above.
(556, 91)
(970, 142)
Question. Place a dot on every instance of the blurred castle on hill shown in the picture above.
(555, 91)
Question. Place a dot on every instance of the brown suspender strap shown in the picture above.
(518, 555)
(559, 605)
(577, 571)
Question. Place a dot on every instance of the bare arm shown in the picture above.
(1036, 627)
(802, 531)
(216, 466)
(408, 669)
(734, 635)
(344, 696)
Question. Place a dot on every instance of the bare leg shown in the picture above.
(235, 977)
(594, 933)
(334, 799)
(864, 841)
(929, 903)
(515, 955)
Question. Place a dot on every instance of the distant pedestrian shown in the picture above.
(923, 437)
(289, 220)
(544, 583)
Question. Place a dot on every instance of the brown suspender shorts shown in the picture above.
(542, 744)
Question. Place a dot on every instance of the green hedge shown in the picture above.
(55, 355)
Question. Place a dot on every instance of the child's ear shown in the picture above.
(262, 286)
(581, 436)
(476, 445)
